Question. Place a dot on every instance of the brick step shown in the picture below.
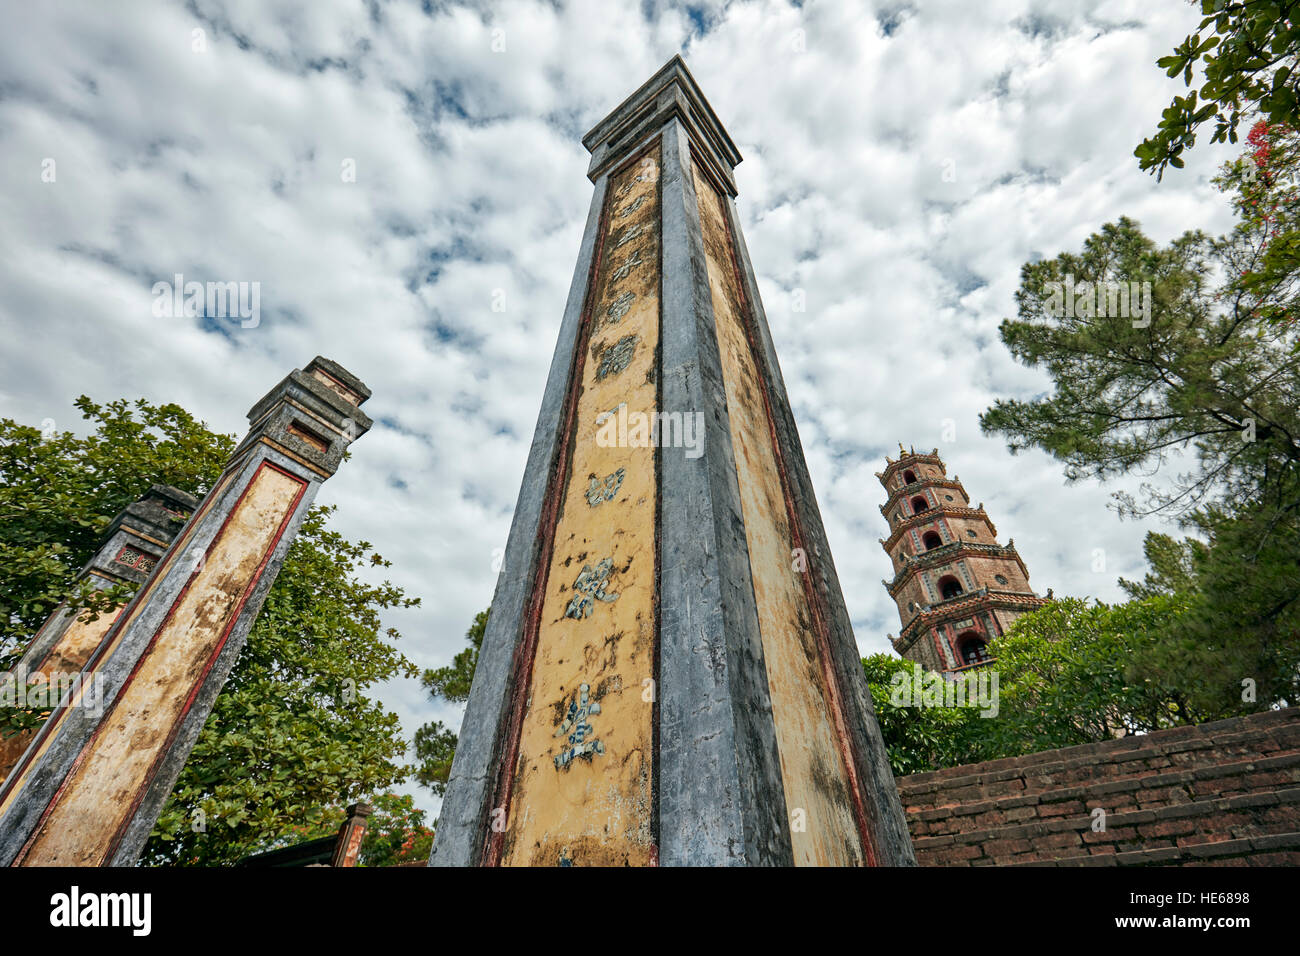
(1149, 791)
(992, 782)
(1181, 748)
(1275, 849)
(1232, 819)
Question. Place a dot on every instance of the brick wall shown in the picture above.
(1224, 793)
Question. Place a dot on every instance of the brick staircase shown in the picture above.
(1224, 794)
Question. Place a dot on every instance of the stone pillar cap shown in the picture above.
(323, 387)
(160, 512)
(171, 495)
(339, 373)
(671, 92)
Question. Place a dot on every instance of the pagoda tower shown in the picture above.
(956, 588)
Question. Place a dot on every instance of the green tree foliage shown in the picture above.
(452, 683)
(1068, 673)
(397, 833)
(1264, 187)
(435, 748)
(1202, 374)
(919, 738)
(1074, 673)
(1244, 55)
(1208, 382)
(1236, 649)
(435, 743)
(1174, 564)
(292, 733)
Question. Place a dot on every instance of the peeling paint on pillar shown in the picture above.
(108, 781)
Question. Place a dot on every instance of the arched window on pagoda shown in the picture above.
(949, 587)
(972, 648)
(931, 539)
(909, 477)
(919, 504)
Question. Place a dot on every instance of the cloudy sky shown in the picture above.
(901, 163)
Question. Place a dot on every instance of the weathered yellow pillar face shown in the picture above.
(108, 641)
(74, 647)
(85, 633)
(819, 798)
(582, 786)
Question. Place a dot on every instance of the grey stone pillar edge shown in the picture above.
(721, 798)
(464, 820)
(891, 842)
(273, 439)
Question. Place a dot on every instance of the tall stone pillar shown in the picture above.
(130, 548)
(91, 786)
(669, 674)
